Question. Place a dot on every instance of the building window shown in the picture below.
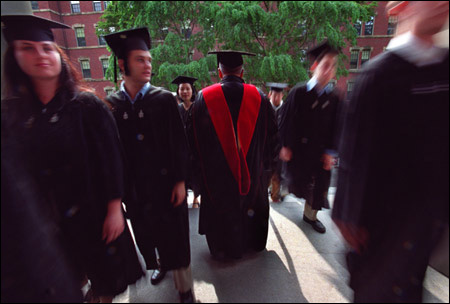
(350, 84)
(85, 68)
(354, 59)
(368, 27)
(81, 39)
(75, 6)
(97, 6)
(34, 5)
(109, 92)
(105, 64)
(101, 40)
(392, 25)
(358, 26)
(365, 56)
(106, 3)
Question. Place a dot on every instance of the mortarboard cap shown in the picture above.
(317, 52)
(123, 42)
(278, 87)
(29, 27)
(184, 79)
(229, 58)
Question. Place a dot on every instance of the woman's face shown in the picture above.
(185, 91)
(39, 60)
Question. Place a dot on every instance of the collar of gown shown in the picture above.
(414, 50)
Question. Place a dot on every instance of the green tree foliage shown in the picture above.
(279, 32)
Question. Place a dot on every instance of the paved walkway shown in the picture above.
(299, 265)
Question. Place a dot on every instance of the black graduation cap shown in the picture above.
(29, 27)
(184, 79)
(277, 87)
(123, 42)
(320, 50)
(230, 58)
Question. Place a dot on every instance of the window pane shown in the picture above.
(34, 5)
(350, 86)
(105, 63)
(86, 68)
(80, 32)
(85, 64)
(105, 3)
(365, 56)
(75, 6)
(101, 40)
(368, 28)
(392, 25)
(354, 59)
(97, 6)
(357, 26)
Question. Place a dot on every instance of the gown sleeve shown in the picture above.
(356, 145)
(177, 142)
(103, 141)
(286, 119)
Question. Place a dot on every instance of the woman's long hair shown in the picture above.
(17, 83)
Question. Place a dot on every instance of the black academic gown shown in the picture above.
(394, 175)
(190, 184)
(155, 146)
(34, 266)
(183, 113)
(308, 126)
(233, 223)
(71, 149)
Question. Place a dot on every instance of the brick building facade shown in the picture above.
(89, 55)
(373, 38)
(86, 51)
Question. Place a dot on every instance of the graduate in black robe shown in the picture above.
(308, 128)
(278, 179)
(392, 198)
(156, 153)
(70, 146)
(187, 92)
(232, 155)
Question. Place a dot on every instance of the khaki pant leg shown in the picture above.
(183, 279)
(310, 213)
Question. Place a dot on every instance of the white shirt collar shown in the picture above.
(415, 50)
(276, 108)
(312, 83)
(141, 92)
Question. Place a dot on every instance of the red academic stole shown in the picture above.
(235, 150)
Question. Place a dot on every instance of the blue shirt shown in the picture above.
(313, 83)
(139, 95)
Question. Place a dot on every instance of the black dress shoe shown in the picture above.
(187, 297)
(157, 276)
(317, 225)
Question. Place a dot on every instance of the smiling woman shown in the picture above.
(70, 147)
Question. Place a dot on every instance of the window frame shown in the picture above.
(74, 4)
(83, 41)
(83, 70)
